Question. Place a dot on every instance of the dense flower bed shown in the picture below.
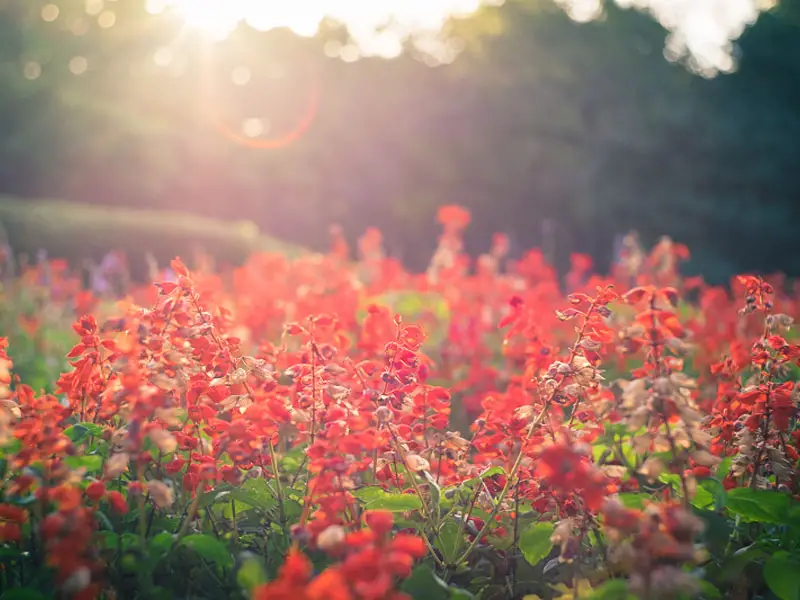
(338, 428)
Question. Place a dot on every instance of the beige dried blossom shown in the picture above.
(163, 382)
(455, 441)
(11, 408)
(652, 468)
(680, 347)
(116, 464)
(416, 463)
(119, 436)
(161, 493)
(615, 471)
(634, 394)
(661, 443)
(259, 368)
(169, 416)
(704, 458)
(778, 321)
(701, 437)
(6, 431)
(780, 463)
(204, 446)
(642, 443)
(238, 376)
(745, 445)
(639, 418)
(163, 440)
(622, 555)
(680, 436)
(239, 401)
(585, 373)
(331, 538)
(524, 412)
(682, 380)
(77, 581)
(562, 534)
(338, 392)
(662, 386)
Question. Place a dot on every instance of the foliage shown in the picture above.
(255, 434)
(79, 232)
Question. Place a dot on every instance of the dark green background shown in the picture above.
(541, 119)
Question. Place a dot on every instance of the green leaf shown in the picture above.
(717, 532)
(724, 467)
(535, 542)
(211, 498)
(161, 542)
(435, 493)
(758, 506)
(702, 498)
(613, 589)
(491, 472)
(254, 492)
(709, 591)
(23, 594)
(91, 462)
(710, 494)
(227, 509)
(81, 431)
(395, 503)
(424, 584)
(368, 494)
(251, 574)
(209, 548)
(11, 448)
(780, 573)
(734, 565)
(632, 500)
(7, 554)
(449, 540)
(103, 519)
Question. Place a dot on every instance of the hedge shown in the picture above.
(79, 231)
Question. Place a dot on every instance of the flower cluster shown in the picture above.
(367, 433)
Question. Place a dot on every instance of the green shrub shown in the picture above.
(79, 231)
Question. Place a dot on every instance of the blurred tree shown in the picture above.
(539, 119)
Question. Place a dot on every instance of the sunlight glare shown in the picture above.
(376, 26)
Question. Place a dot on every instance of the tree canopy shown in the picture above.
(539, 122)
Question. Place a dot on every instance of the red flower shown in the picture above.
(379, 521)
(118, 502)
(95, 491)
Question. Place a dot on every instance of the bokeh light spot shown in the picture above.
(80, 26)
(163, 56)
(156, 7)
(349, 53)
(50, 12)
(107, 19)
(241, 75)
(254, 127)
(32, 70)
(94, 7)
(332, 48)
(78, 65)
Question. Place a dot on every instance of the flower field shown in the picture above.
(334, 427)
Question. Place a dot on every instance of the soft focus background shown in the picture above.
(564, 124)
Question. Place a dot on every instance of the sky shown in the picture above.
(702, 32)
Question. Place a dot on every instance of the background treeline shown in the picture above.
(541, 124)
